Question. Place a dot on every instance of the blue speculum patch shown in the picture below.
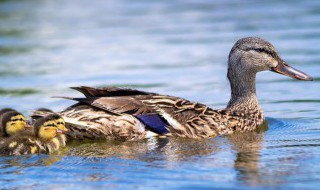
(154, 123)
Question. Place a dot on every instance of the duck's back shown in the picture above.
(131, 114)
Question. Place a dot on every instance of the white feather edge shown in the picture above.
(173, 123)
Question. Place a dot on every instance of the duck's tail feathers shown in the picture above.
(65, 97)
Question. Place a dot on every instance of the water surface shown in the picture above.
(172, 47)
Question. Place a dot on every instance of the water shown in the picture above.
(172, 47)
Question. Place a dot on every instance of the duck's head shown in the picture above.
(12, 122)
(46, 128)
(252, 54)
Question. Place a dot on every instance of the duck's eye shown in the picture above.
(268, 52)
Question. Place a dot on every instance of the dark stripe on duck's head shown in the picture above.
(154, 123)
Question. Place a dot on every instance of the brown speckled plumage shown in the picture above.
(111, 112)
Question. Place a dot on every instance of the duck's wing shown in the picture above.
(117, 105)
(133, 102)
(180, 116)
(109, 91)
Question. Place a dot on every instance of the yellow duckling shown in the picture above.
(11, 122)
(47, 137)
(60, 123)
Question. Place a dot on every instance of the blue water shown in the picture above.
(171, 47)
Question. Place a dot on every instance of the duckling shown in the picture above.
(52, 142)
(11, 122)
(47, 137)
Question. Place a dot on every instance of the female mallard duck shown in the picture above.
(11, 122)
(46, 137)
(131, 114)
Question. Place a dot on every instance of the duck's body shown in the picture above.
(134, 116)
(131, 114)
(42, 139)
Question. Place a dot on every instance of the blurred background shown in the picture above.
(171, 47)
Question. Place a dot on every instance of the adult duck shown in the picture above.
(129, 114)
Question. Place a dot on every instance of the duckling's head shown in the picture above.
(12, 122)
(4, 110)
(46, 128)
(252, 54)
(60, 123)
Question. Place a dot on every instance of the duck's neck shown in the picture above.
(243, 92)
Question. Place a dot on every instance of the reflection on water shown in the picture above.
(160, 153)
(171, 47)
(242, 159)
(248, 147)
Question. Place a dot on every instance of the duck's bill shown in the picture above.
(59, 131)
(284, 69)
(63, 131)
